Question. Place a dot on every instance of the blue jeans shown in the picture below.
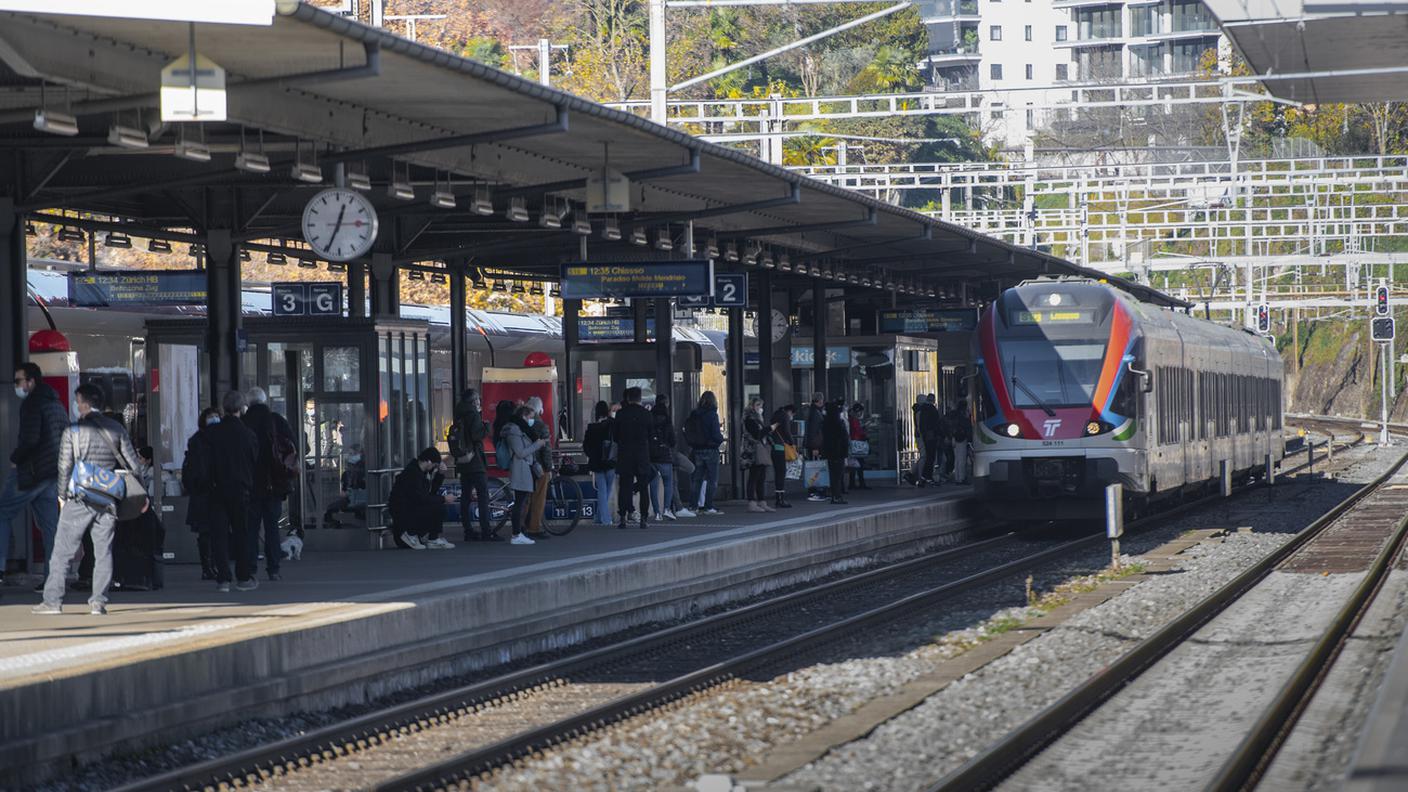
(603, 481)
(265, 511)
(42, 499)
(706, 473)
(666, 474)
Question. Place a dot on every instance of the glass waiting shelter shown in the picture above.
(346, 386)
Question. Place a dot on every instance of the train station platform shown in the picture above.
(346, 626)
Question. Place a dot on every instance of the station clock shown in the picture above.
(339, 224)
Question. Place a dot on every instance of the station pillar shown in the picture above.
(664, 349)
(223, 312)
(459, 353)
(386, 286)
(764, 334)
(571, 310)
(14, 290)
(819, 339)
(638, 320)
(733, 368)
(357, 289)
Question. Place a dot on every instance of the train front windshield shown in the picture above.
(1041, 372)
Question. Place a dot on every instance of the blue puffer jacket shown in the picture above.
(708, 420)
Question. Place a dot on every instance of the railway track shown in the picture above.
(1369, 528)
(459, 734)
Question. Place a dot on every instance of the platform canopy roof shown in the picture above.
(315, 85)
(1351, 51)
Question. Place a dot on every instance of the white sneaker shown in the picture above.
(439, 543)
(412, 541)
(657, 516)
(685, 512)
(711, 512)
(633, 517)
(815, 498)
(521, 540)
(669, 515)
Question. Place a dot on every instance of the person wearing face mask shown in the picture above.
(417, 509)
(33, 483)
(219, 469)
(272, 479)
(542, 471)
(354, 489)
(468, 434)
(93, 444)
(520, 453)
(756, 455)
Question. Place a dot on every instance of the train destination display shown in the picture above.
(151, 287)
(636, 279)
(930, 320)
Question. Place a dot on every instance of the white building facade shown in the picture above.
(1015, 44)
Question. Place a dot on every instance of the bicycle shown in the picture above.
(563, 509)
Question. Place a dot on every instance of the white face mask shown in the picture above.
(21, 392)
(354, 459)
(529, 421)
(212, 420)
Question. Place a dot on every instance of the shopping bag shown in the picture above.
(860, 448)
(794, 470)
(815, 475)
(852, 463)
(789, 452)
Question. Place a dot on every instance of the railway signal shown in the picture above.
(1381, 328)
(1381, 300)
(1263, 318)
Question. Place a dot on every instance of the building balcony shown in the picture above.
(1114, 41)
(953, 56)
(949, 11)
(1083, 3)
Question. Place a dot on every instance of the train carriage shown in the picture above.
(1079, 385)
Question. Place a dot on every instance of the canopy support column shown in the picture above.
(819, 338)
(664, 347)
(571, 310)
(224, 307)
(14, 291)
(459, 352)
(386, 288)
(765, 367)
(734, 382)
(357, 289)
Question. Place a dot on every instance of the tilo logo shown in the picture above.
(1051, 425)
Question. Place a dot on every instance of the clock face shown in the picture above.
(780, 325)
(340, 224)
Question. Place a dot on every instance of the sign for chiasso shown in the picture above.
(636, 279)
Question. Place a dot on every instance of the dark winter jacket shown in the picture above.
(474, 430)
(708, 421)
(814, 418)
(234, 453)
(597, 433)
(631, 430)
(43, 420)
(414, 495)
(928, 422)
(783, 433)
(265, 423)
(662, 436)
(757, 440)
(835, 434)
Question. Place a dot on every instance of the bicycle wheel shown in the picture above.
(563, 509)
(500, 504)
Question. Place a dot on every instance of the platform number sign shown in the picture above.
(1263, 318)
(306, 299)
(1381, 329)
(1381, 300)
(730, 291)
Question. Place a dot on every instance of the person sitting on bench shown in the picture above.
(354, 490)
(417, 508)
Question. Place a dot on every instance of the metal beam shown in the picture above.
(793, 197)
(645, 174)
(558, 124)
(870, 219)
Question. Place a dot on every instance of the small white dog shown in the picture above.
(292, 546)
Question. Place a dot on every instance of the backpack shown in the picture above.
(284, 471)
(196, 468)
(503, 457)
(694, 433)
(454, 437)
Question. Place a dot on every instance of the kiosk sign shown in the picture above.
(636, 279)
(141, 287)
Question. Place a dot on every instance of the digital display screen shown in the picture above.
(1054, 316)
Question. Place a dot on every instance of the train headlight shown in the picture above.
(1092, 428)
(1013, 430)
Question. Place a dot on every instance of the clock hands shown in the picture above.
(338, 225)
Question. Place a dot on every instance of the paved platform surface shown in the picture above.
(1380, 763)
(334, 613)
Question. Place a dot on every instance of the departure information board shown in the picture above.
(136, 287)
(596, 280)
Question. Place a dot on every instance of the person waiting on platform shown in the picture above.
(417, 508)
(33, 482)
(520, 453)
(633, 469)
(354, 490)
(704, 435)
(542, 471)
(601, 459)
(835, 447)
(662, 458)
(781, 439)
(858, 435)
(813, 417)
(756, 454)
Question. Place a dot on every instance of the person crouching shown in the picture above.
(417, 508)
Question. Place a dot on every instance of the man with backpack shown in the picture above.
(33, 483)
(274, 473)
(928, 423)
(466, 441)
(960, 432)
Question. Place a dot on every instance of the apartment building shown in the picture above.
(1013, 44)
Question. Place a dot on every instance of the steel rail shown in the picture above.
(351, 734)
(999, 760)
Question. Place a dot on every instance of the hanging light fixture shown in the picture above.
(337, 266)
(517, 288)
(252, 161)
(550, 217)
(158, 246)
(443, 196)
(276, 258)
(415, 275)
(638, 237)
(306, 171)
(555, 291)
(611, 231)
(359, 179)
(438, 277)
(517, 210)
(483, 204)
(307, 263)
(500, 286)
(663, 241)
(193, 149)
(67, 234)
(400, 187)
(784, 263)
(197, 250)
(731, 252)
(55, 122)
(128, 137)
(581, 224)
(30, 230)
(244, 255)
(116, 239)
(536, 290)
(766, 260)
(711, 248)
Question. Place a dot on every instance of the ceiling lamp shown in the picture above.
(400, 187)
(663, 241)
(276, 258)
(306, 172)
(55, 123)
(252, 162)
(244, 255)
(581, 224)
(517, 288)
(158, 246)
(337, 266)
(307, 263)
(731, 252)
(438, 277)
(359, 179)
(638, 237)
(536, 290)
(784, 263)
(116, 239)
(517, 210)
(194, 150)
(801, 268)
(443, 196)
(551, 216)
(127, 137)
(482, 204)
(30, 230)
(711, 248)
(766, 260)
(554, 291)
(415, 275)
(67, 234)
(611, 231)
(499, 286)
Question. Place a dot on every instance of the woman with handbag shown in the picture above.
(835, 448)
(860, 446)
(757, 452)
(601, 459)
(96, 460)
(784, 450)
(662, 457)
